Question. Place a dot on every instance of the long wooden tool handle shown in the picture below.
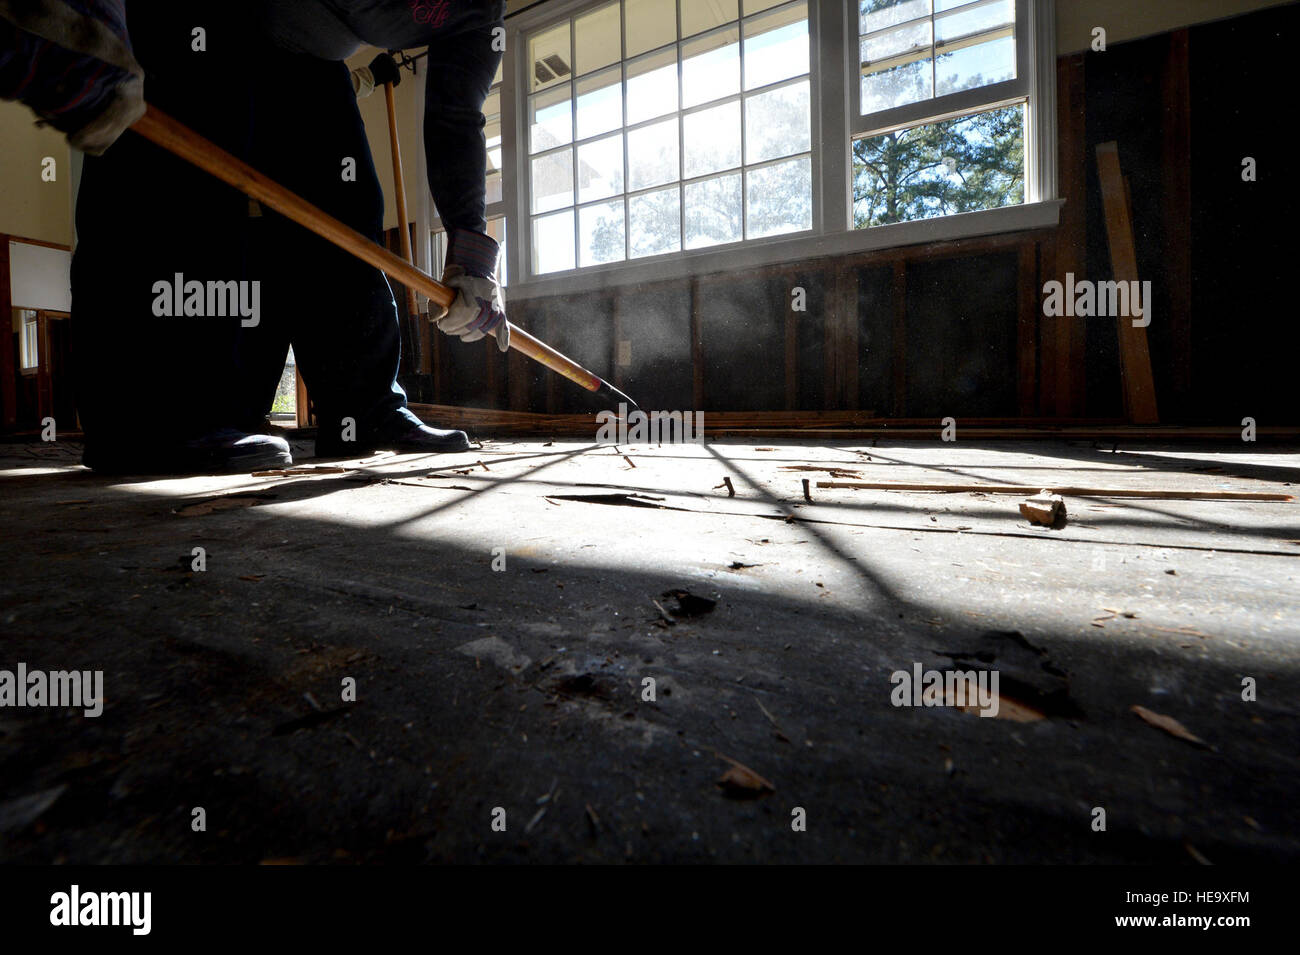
(399, 191)
(418, 329)
(162, 130)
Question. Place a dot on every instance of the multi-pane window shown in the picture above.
(646, 128)
(655, 126)
(940, 108)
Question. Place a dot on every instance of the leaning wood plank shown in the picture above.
(1135, 357)
(1066, 491)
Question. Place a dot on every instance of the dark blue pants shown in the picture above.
(144, 217)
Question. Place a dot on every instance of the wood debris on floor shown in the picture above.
(595, 627)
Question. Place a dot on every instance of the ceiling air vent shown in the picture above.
(550, 67)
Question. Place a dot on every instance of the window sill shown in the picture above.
(785, 250)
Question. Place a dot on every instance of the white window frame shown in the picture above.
(834, 89)
(1026, 88)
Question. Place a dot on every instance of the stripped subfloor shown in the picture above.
(501, 612)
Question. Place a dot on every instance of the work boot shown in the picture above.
(223, 451)
(424, 439)
(402, 431)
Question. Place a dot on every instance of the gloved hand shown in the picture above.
(385, 70)
(479, 307)
(71, 62)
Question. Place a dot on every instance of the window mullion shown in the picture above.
(1038, 45)
(944, 107)
(830, 104)
(681, 144)
(573, 136)
(511, 122)
(627, 162)
(934, 58)
(744, 139)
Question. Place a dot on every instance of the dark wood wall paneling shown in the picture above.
(1245, 339)
(896, 333)
(656, 324)
(878, 391)
(961, 337)
(743, 331)
(805, 354)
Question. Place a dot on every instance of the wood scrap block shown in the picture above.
(1044, 508)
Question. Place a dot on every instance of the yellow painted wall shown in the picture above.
(1130, 19)
(30, 207)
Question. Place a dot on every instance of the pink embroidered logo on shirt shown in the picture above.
(431, 12)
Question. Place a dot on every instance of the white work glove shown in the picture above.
(382, 70)
(480, 307)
